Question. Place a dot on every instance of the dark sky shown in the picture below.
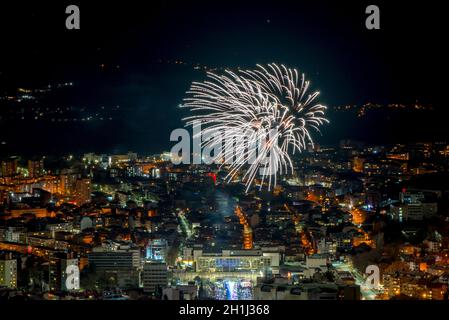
(138, 41)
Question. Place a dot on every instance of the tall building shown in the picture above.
(58, 272)
(155, 275)
(8, 272)
(82, 191)
(67, 182)
(9, 167)
(36, 168)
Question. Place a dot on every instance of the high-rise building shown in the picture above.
(36, 168)
(155, 275)
(9, 167)
(58, 272)
(67, 182)
(82, 191)
(8, 272)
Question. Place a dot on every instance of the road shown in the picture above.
(366, 292)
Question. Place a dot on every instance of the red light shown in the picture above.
(213, 176)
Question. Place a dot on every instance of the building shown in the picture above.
(305, 291)
(119, 159)
(36, 168)
(58, 272)
(9, 167)
(119, 262)
(414, 206)
(83, 191)
(235, 261)
(317, 261)
(157, 250)
(391, 284)
(327, 247)
(413, 211)
(181, 292)
(8, 272)
(15, 234)
(155, 275)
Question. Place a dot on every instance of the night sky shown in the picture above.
(125, 55)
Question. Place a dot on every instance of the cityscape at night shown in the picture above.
(100, 194)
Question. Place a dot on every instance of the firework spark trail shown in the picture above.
(262, 115)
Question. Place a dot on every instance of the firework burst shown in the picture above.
(263, 116)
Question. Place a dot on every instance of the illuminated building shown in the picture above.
(399, 156)
(9, 167)
(92, 158)
(157, 250)
(37, 212)
(119, 159)
(122, 262)
(235, 261)
(112, 255)
(392, 285)
(327, 246)
(411, 197)
(67, 183)
(155, 275)
(62, 226)
(83, 191)
(414, 211)
(343, 240)
(57, 272)
(35, 168)
(8, 272)
(317, 261)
